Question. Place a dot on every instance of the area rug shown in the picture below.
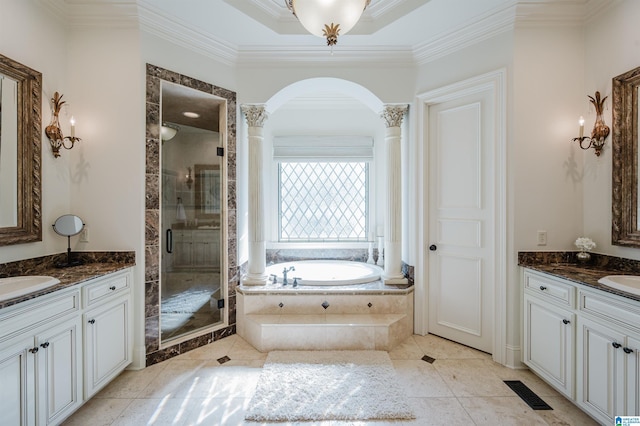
(328, 385)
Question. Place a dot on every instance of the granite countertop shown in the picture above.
(564, 265)
(95, 264)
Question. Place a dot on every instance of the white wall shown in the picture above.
(30, 36)
(547, 169)
(612, 47)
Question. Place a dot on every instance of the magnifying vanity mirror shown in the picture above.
(625, 216)
(68, 225)
(20, 141)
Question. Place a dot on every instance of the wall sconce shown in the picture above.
(53, 131)
(600, 130)
(189, 177)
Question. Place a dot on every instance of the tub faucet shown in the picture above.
(284, 274)
(274, 278)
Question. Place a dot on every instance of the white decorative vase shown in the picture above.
(583, 257)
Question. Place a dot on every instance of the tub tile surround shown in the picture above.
(371, 316)
(563, 264)
(94, 264)
(155, 75)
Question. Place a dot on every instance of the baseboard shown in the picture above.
(514, 357)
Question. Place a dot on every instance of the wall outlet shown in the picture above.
(84, 235)
(542, 238)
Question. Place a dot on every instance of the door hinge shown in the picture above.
(220, 303)
(220, 151)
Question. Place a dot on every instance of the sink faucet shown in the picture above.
(284, 274)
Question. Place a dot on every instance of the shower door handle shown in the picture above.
(169, 241)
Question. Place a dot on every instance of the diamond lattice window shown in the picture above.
(323, 201)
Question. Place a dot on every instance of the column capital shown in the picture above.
(393, 114)
(256, 114)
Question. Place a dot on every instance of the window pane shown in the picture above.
(323, 201)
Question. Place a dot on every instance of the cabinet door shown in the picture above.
(632, 387)
(17, 382)
(59, 371)
(182, 249)
(600, 369)
(548, 343)
(202, 244)
(107, 344)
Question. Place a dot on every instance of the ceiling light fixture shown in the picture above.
(328, 18)
(168, 131)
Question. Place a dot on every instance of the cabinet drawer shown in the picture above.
(25, 316)
(549, 289)
(610, 308)
(106, 288)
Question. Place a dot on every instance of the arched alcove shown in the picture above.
(319, 84)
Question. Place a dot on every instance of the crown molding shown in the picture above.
(93, 14)
(143, 14)
(182, 34)
(487, 26)
(275, 15)
(324, 56)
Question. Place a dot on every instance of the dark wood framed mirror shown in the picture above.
(20, 146)
(625, 227)
(208, 190)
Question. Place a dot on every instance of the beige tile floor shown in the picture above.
(462, 387)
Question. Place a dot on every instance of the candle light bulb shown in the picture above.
(581, 123)
(72, 121)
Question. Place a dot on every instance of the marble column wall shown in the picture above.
(152, 215)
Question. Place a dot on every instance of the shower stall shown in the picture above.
(192, 282)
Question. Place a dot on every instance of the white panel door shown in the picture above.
(462, 144)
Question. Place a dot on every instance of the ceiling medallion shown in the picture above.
(326, 18)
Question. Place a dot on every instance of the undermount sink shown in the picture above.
(628, 283)
(18, 286)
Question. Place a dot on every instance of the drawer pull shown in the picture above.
(542, 288)
(45, 345)
(627, 350)
(112, 288)
(33, 350)
(566, 321)
(91, 321)
(616, 345)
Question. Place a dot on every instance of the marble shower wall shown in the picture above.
(152, 215)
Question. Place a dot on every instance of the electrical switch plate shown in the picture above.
(84, 235)
(542, 238)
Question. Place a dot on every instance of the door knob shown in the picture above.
(433, 247)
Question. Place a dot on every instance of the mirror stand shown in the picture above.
(69, 262)
(68, 225)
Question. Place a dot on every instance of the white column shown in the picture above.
(393, 115)
(256, 116)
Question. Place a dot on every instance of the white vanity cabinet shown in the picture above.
(48, 352)
(607, 363)
(585, 343)
(549, 324)
(108, 340)
(196, 248)
(41, 360)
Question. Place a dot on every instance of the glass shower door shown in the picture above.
(192, 284)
